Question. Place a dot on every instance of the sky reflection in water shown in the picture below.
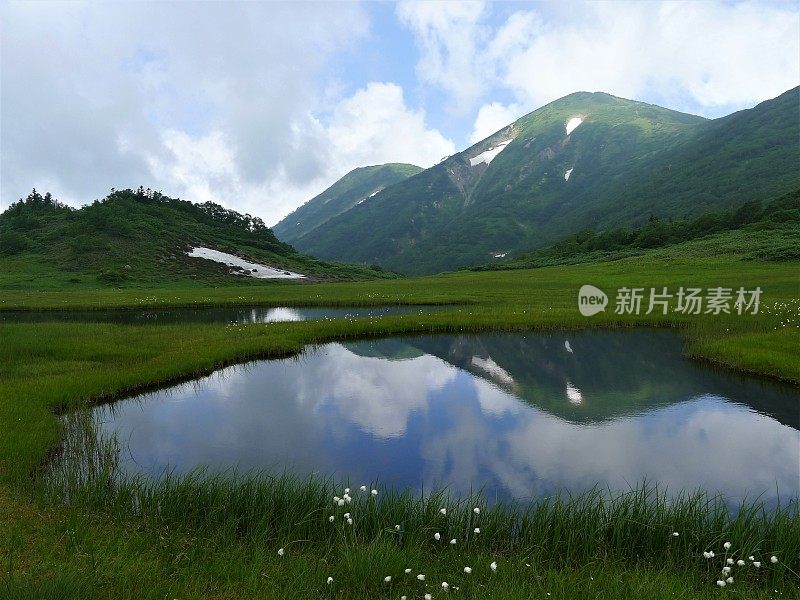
(517, 415)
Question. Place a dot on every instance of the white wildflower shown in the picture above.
(280, 552)
(437, 536)
(493, 567)
(726, 570)
(349, 521)
(467, 570)
(329, 580)
(445, 586)
(443, 511)
(729, 561)
(757, 564)
(453, 542)
(740, 562)
(477, 530)
(675, 534)
(729, 580)
(408, 571)
(773, 559)
(397, 527)
(374, 492)
(476, 510)
(346, 491)
(428, 597)
(340, 502)
(727, 545)
(720, 583)
(421, 577)
(387, 579)
(331, 518)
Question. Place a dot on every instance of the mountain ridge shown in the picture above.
(615, 167)
(355, 187)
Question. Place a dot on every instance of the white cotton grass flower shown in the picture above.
(757, 564)
(329, 580)
(751, 558)
(331, 518)
(493, 567)
(437, 536)
(773, 559)
(428, 597)
(453, 542)
(281, 552)
(476, 510)
(740, 562)
(477, 530)
(404, 597)
(675, 534)
(721, 583)
(467, 570)
(445, 586)
(421, 577)
(374, 492)
(408, 571)
(346, 515)
(727, 545)
(387, 579)
(397, 527)
(729, 580)
(349, 521)
(443, 511)
(363, 488)
(346, 491)
(707, 555)
(726, 570)
(340, 502)
(729, 561)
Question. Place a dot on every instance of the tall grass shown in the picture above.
(642, 528)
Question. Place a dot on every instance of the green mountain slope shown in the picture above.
(140, 238)
(358, 186)
(623, 163)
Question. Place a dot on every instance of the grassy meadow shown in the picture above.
(86, 534)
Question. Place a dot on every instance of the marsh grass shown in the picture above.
(263, 511)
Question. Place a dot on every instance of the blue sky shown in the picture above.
(260, 106)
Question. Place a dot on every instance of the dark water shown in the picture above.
(223, 316)
(517, 415)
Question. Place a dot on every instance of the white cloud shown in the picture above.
(374, 125)
(449, 35)
(700, 55)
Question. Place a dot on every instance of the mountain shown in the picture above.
(358, 186)
(588, 160)
(141, 237)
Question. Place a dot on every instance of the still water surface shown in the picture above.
(514, 414)
(223, 316)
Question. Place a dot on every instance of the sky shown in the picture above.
(260, 106)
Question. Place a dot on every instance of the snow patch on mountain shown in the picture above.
(489, 155)
(242, 266)
(568, 173)
(573, 123)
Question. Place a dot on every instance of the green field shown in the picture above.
(219, 539)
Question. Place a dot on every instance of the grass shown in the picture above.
(218, 538)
